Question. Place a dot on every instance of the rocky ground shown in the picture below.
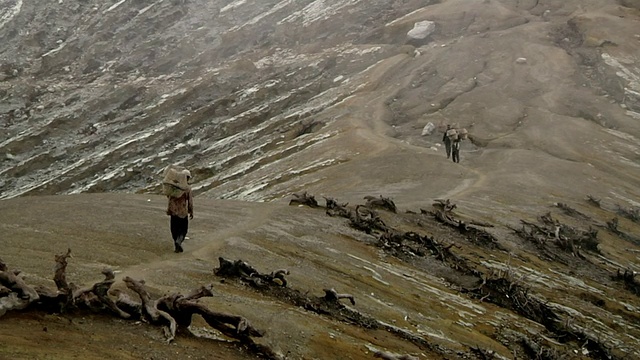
(329, 97)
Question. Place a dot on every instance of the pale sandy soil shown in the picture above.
(556, 128)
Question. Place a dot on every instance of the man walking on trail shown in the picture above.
(455, 150)
(447, 141)
(180, 209)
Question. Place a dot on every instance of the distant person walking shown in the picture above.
(447, 141)
(180, 207)
(455, 150)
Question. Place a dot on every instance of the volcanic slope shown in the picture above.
(331, 97)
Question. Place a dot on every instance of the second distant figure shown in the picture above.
(455, 150)
(447, 141)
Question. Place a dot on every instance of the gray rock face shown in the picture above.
(421, 30)
(206, 84)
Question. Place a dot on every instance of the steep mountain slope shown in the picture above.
(267, 99)
(264, 99)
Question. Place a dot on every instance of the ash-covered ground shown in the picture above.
(265, 100)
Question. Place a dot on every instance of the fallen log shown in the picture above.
(150, 307)
(628, 279)
(336, 209)
(332, 295)
(384, 355)
(100, 291)
(380, 203)
(327, 305)
(249, 274)
(15, 283)
(19, 295)
(304, 199)
(367, 220)
(169, 311)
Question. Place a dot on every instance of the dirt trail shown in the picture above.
(204, 242)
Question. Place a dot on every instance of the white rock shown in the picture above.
(428, 129)
(422, 29)
(521, 60)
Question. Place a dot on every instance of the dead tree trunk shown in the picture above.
(150, 307)
(100, 292)
(20, 294)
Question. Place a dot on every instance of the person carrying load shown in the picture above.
(176, 186)
(446, 139)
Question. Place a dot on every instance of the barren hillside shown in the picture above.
(266, 99)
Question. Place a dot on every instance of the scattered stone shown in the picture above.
(421, 30)
(428, 129)
(521, 60)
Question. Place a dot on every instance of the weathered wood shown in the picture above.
(444, 205)
(101, 292)
(65, 297)
(60, 272)
(380, 203)
(336, 209)
(384, 355)
(15, 283)
(332, 295)
(367, 220)
(150, 308)
(16, 295)
(127, 304)
(184, 307)
(304, 199)
(19, 295)
(250, 275)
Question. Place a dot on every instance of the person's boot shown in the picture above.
(178, 244)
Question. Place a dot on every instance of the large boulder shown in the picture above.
(421, 30)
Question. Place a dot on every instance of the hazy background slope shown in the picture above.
(268, 99)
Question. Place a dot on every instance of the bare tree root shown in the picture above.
(389, 356)
(337, 209)
(150, 307)
(411, 243)
(169, 311)
(380, 203)
(549, 234)
(332, 295)
(443, 212)
(510, 294)
(628, 278)
(304, 199)
(328, 305)
(571, 211)
(100, 291)
(632, 213)
(250, 275)
(367, 220)
(19, 295)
